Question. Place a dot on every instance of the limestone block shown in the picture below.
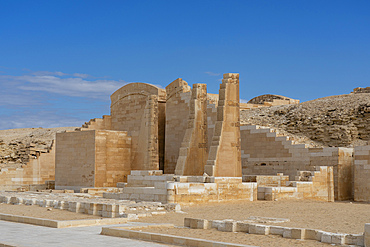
(227, 226)
(259, 229)
(242, 227)
(30, 201)
(337, 238)
(311, 234)
(13, 200)
(277, 230)
(187, 222)
(47, 203)
(216, 224)
(326, 237)
(287, 233)
(298, 233)
(367, 235)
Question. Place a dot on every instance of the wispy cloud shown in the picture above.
(44, 119)
(243, 101)
(81, 75)
(45, 73)
(212, 74)
(64, 84)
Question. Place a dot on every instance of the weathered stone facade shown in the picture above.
(264, 153)
(196, 141)
(362, 174)
(92, 158)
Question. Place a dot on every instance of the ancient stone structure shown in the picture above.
(361, 90)
(362, 174)
(273, 100)
(193, 151)
(37, 173)
(264, 153)
(224, 155)
(92, 158)
(182, 144)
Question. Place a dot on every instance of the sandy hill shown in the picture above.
(340, 121)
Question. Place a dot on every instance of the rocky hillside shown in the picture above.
(340, 121)
(17, 144)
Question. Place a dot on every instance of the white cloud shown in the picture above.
(244, 101)
(212, 74)
(44, 73)
(38, 119)
(60, 83)
(81, 75)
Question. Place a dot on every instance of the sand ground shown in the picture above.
(41, 212)
(342, 217)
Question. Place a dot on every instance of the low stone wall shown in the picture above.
(265, 153)
(271, 181)
(321, 188)
(285, 232)
(100, 207)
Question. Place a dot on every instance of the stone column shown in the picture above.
(193, 151)
(224, 159)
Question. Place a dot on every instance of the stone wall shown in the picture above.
(362, 174)
(272, 100)
(320, 188)
(264, 153)
(104, 123)
(224, 154)
(92, 158)
(361, 90)
(135, 109)
(177, 114)
(193, 152)
(38, 170)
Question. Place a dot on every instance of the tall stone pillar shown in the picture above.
(193, 151)
(224, 159)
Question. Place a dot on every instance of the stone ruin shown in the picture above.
(174, 145)
(182, 144)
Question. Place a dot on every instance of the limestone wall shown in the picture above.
(224, 154)
(177, 113)
(321, 188)
(135, 109)
(38, 170)
(112, 158)
(362, 174)
(104, 123)
(264, 153)
(92, 158)
(193, 152)
(75, 160)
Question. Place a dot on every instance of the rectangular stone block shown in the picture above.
(242, 227)
(287, 233)
(259, 229)
(277, 230)
(298, 233)
(228, 226)
(326, 237)
(187, 222)
(311, 234)
(367, 235)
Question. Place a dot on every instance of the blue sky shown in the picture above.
(61, 60)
